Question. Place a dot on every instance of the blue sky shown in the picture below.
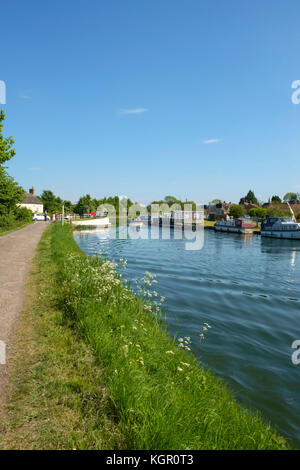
(147, 98)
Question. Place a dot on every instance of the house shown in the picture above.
(32, 202)
(219, 211)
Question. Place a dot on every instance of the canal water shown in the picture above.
(247, 288)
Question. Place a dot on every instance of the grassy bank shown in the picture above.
(58, 399)
(209, 223)
(102, 373)
(11, 228)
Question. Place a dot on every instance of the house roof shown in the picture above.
(250, 205)
(220, 208)
(31, 199)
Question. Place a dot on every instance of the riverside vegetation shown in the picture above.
(103, 372)
(12, 217)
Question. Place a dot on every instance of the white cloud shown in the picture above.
(133, 111)
(211, 141)
(26, 95)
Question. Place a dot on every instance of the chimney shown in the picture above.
(31, 191)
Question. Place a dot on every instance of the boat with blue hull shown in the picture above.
(280, 227)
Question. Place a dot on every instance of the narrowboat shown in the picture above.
(178, 218)
(241, 225)
(280, 227)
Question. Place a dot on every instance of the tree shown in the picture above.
(259, 212)
(250, 198)
(10, 192)
(278, 212)
(52, 203)
(276, 200)
(6, 144)
(289, 197)
(68, 206)
(84, 204)
(171, 200)
(87, 203)
(236, 210)
(190, 203)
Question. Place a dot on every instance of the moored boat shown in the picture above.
(280, 227)
(102, 222)
(241, 225)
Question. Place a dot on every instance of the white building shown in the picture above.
(32, 202)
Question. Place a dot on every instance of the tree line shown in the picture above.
(11, 193)
(87, 204)
(275, 207)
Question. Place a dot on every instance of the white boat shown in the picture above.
(99, 223)
(280, 227)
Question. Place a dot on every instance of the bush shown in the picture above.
(274, 212)
(236, 210)
(23, 214)
(6, 220)
(259, 212)
(15, 217)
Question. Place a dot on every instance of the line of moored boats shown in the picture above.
(275, 227)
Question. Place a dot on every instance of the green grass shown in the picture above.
(164, 399)
(84, 227)
(104, 372)
(209, 223)
(59, 398)
(12, 228)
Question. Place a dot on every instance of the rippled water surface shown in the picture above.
(247, 289)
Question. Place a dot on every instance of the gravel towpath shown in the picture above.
(16, 252)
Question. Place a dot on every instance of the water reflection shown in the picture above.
(293, 258)
(272, 245)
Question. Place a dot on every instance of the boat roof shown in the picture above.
(281, 219)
